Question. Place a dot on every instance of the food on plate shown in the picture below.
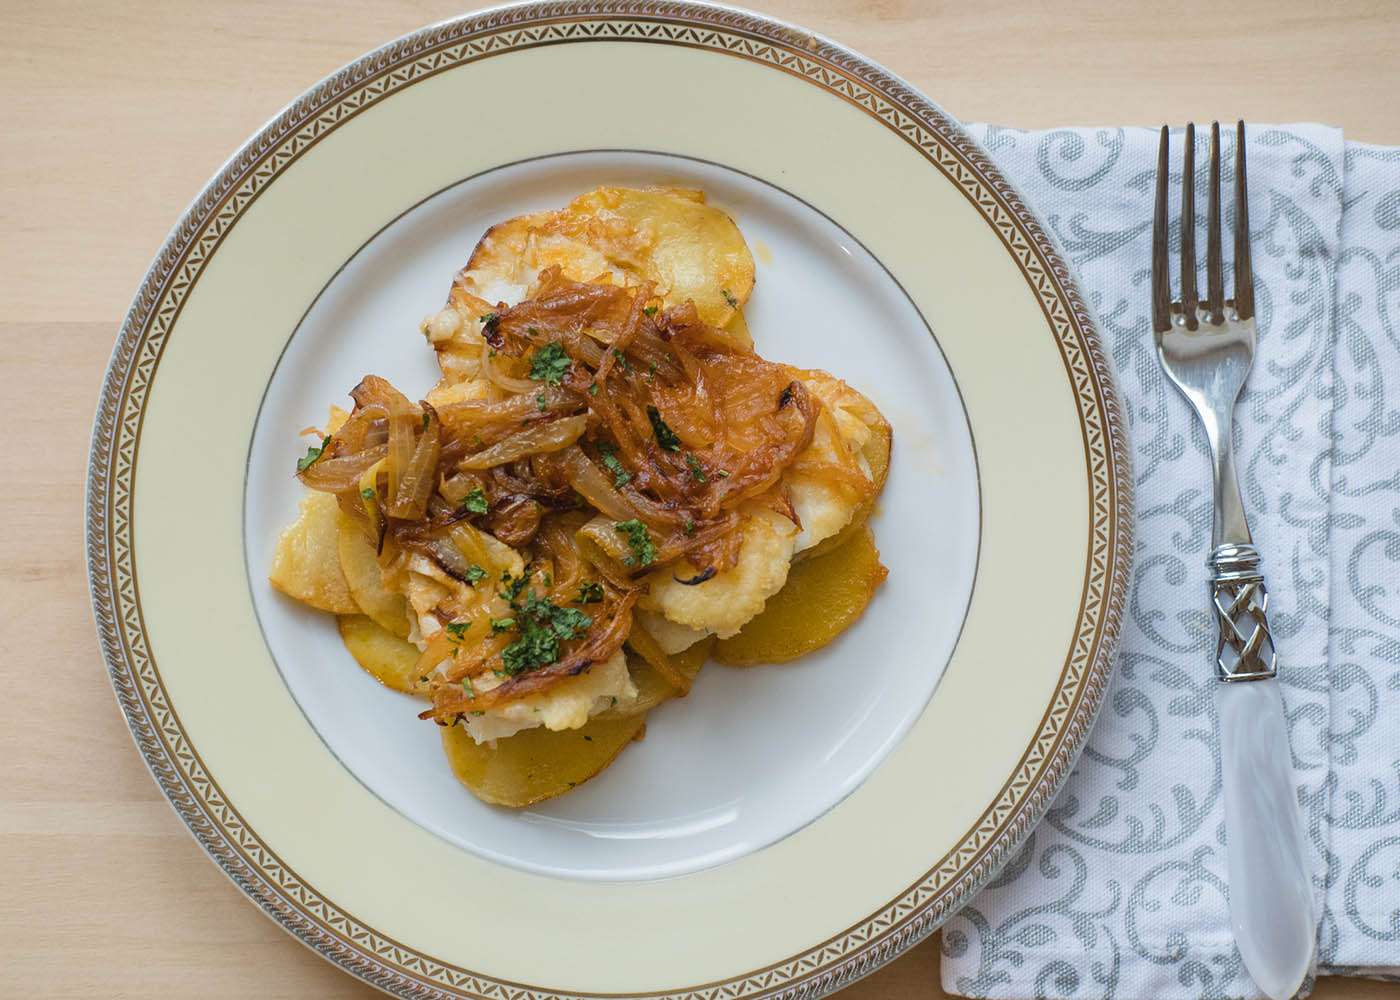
(607, 486)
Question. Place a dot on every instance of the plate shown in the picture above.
(785, 828)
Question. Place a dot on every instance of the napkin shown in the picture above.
(1122, 891)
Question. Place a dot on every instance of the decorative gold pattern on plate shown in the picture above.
(158, 732)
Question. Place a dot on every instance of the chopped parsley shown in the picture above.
(367, 493)
(593, 389)
(550, 363)
(475, 573)
(722, 473)
(499, 625)
(425, 419)
(733, 302)
(643, 552)
(621, 477)
(541, 402)
(589, 593)
(787, 394)
(622, 360)
(649, 311)
(689, 526)
(458, 629)
(313, 453)
(697, 471)
(514, 587)
(467, 687)
(531, 333)
(475, 501)
(541, 625)
(665, 437)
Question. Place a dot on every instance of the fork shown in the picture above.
(1206, 347)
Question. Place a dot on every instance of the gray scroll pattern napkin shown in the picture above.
(1122, 891)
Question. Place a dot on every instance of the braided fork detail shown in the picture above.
(1245, 648)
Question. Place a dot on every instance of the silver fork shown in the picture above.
(1206, 348)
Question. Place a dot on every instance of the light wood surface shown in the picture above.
(113, 115)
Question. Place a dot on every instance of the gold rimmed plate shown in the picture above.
(783, 828)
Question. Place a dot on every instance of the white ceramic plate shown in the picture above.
(781, 828)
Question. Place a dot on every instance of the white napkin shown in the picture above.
(1122, 891)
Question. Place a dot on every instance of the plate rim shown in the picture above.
(869, 943)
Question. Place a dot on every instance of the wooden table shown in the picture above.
(113, 115)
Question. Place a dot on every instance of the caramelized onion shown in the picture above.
(539, 438)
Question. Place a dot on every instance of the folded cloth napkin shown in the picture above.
(1122, 891)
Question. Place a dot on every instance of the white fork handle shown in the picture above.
(1271, 899)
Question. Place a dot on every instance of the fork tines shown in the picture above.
(1190, 308)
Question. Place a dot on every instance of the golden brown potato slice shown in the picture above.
(361, 569)
(738, 329)
(877, 455)
(821, 599)
(306, 562)
(384, 656)
(536, 764)
(692, 250)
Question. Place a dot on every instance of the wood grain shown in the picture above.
(113, 115)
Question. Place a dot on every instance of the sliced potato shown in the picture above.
(536, 764)
(361, 569)
(821, 599)
(697, 252)
(738, 329)
(306, 562)
(692, 250)
(877, 454)
(384, 656)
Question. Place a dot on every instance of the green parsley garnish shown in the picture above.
(367, 493)
(550, 363)
(458, 629)
(475, 501)
(589, 593)
(475, 573)
(786, 397)
(689, 526)
(665, 437)
(467, 686)
(649, 311)
(542, 625)
(622, 360)
(531, 332)
(541, 402)
(643, 552)
(499, 625)
(722, 473)
(733, 302)
(514, 586)
(593, 389)
(621, 476)
(313, 453)
(697, 471)
(425, 420)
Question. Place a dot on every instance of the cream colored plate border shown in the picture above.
(196, 795)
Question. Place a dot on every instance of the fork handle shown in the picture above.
(1230, 524)
(1244, 650)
